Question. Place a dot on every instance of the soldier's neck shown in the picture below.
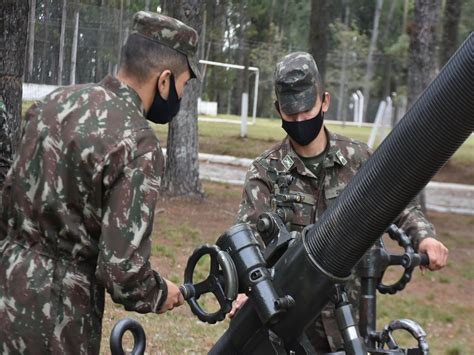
(316, 147)
(145, 90)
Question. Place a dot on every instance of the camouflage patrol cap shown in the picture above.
(169, 32)
(295, 77)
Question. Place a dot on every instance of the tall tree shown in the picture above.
(120, 33)
(61, 43)
(387, 60)
(343, 80)
(370, 58)
(99, 72)
(243, 55)
(45, 51)
(318, 35)
(449, 40)
(13, 22)
(31, 39)
(72, 79)
(182, 163)
(423, 41)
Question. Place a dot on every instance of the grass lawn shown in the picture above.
(439, 301)
(224, 138)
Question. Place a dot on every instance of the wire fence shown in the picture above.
(75, 43)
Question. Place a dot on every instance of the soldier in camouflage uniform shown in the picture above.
(5, 143)
(78, 204)
(321, 164)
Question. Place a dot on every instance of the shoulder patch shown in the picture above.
(341, 158)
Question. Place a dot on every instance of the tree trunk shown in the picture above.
(14, 22)
(243, 53)
(405, 15)
(217, 24)
(341, 112)
(449, 41)
(283, 14)
(272, 12)
(318, 34)
(61, 43)
(74, 46)
(120, 38)
(387, 59)
(31, 40)
(370, 58)
(126, 23)
(421, 66)
(182, 164)
(99, 66)
(45, 51)
(423, 42)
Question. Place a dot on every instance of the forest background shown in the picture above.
(357, 44)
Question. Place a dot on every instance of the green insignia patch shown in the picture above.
(341, 158)
(287, 162)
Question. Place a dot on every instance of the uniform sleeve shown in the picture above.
(256, 195)
(414, 223)
(132, 190)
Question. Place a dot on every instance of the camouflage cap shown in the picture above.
(296, 76)
(169, 32)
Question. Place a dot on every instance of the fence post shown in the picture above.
(244, 115)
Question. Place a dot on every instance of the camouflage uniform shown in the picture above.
(344, 157)
(77, 217)
(5, 143)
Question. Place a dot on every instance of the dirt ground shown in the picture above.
(440, 301)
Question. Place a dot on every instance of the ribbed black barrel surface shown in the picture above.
(437, 124)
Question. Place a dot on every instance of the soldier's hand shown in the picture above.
(174, 299)
(436, 251)
(238, 303)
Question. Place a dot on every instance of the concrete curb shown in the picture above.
(225, 159)
(245, 162)
(222, 159)
(440, 197)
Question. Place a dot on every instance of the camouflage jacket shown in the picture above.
(77, 218)
(343, 159)
(5, 144)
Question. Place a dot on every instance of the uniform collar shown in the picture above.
(122, 90)
(291, 160)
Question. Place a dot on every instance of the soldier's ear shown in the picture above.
(326, 101)
(164, 83)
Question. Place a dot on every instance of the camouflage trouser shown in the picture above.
(50, 313)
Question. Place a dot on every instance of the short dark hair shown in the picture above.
(142, 56)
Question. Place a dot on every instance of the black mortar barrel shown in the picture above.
(431, 131)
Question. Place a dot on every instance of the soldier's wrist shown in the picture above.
(164, 292)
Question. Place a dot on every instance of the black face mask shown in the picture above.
(162, 111)
(304, 132)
